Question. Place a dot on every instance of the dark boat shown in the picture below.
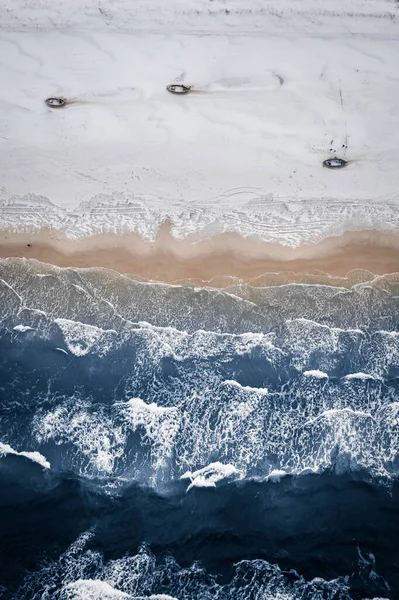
(335, 163)
(178, 88)
(55, 102)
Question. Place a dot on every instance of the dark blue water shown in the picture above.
(170, 442)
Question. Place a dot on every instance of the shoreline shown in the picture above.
(214, 261)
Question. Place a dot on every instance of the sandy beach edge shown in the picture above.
(213, 261)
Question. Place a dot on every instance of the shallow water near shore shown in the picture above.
(213, 260)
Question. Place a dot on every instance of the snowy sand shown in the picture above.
(278, 88)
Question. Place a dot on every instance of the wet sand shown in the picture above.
(212, 261)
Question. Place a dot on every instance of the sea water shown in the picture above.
(172, 442)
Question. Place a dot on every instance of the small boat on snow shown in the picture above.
(55, 102)
(178, 88)
(335, 163)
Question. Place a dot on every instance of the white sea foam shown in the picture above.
(276, 475)
(91, 590)
(392, 334)
(23, 328)
(158, 425)
(114, 299)
(34, 456)
(333, 412)
(155, 597)
(100, 435)
(295, 429)
(187, 406)
(137, 577)
(209, 344)
(385, 354)
(316, 374)
(362, 376)
(62, 350)
(210, 475)
(82, 338)
(304, 337)
(161, 597)
(245, 388)
(326, 328)
(140, 409)
(344, 438)
(95, 436)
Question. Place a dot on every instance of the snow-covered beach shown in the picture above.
(277, 89)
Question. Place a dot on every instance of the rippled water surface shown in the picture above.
(166, 441)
